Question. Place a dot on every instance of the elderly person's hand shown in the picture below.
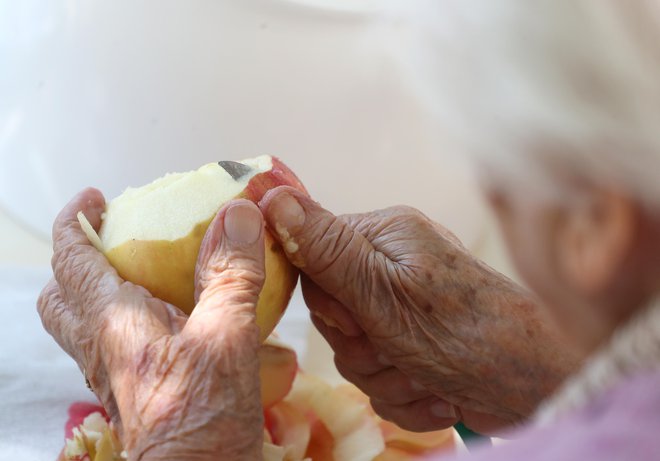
(429, 332)
(175, 387)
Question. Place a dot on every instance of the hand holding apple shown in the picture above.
(429, 332)
(175, 387)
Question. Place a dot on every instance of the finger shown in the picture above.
(337, 258)
(423, 415)
(389, 385)
(126, 316)
(229, 274)
(82, 273)
(72, 336)
(57, 319)
(174, 319)
(331, 311)
(357, 353)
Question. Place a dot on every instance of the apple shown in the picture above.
(321, 443)
(278, 366)
(417, 442)
(398, 440)
(92, 439)
(152, 234)
(289, 428)
(271, 452)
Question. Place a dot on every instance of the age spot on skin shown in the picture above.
(469, 296)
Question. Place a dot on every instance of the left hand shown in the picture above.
(429, 332)
(175, 387)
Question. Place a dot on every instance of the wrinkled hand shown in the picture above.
(429, 332)
(175, 387)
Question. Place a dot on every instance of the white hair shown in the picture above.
(577, 81)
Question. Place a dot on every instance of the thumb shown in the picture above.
(331, 253)
(229, 274)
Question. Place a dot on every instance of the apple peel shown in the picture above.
(398, 440)
(289, 428)
(356, 434)
(278, 365)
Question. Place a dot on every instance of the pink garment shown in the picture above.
(621, 425)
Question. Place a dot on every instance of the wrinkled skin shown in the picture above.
(175, 387)
(429, 332)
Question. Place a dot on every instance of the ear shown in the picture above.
(595, 235)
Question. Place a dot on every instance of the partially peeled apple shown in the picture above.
(152, 234)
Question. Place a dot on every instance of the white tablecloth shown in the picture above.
(38, 381)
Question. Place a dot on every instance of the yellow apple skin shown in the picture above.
(167, 267)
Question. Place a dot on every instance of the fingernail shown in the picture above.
(442, 409)
(243, 223)
(415, 386)
(287, 212)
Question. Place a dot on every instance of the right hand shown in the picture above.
(175, 387)
(429, 332)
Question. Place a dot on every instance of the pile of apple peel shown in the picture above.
(305, 419)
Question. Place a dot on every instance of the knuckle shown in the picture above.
(383, 391)
(382, 409)
(231, 278)
(409, 212)
(45, 299)
(355, 377)
(372, 385)
(54, 324)
(250, 267)
(232, 286)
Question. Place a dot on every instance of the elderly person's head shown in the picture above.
(559, 104)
